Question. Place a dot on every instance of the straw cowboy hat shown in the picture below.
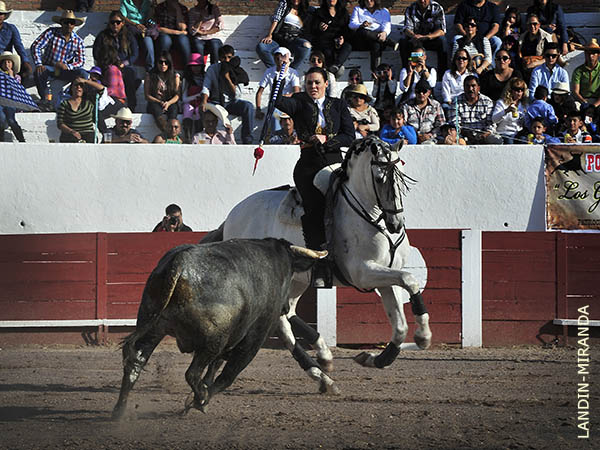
(359, 89)
(16, 59)
(123, 114)
(559, 87)
(220, 112)
(3, 10)
(68, 14)
(592, 45)
(281, 115)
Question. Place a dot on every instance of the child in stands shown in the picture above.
(10, 63)
(575, 132)
(541, 108)
(397, 131)
(538, 133)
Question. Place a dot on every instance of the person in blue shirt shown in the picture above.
(541, 108)
(11, 39)
(548, 73)
(397, 131)
(538, 133)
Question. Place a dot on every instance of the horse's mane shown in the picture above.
(360, 145)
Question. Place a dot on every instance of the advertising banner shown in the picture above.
(573, 187)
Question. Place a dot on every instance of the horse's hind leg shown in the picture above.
(394, 309)
(137, 349)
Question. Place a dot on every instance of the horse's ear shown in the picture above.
(398, 145)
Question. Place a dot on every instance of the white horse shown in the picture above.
(368, 242)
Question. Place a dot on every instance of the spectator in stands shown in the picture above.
(58, 53)
(317, 59)
(10, 64)
(425, 26)
(511, 24)
(287, 134)
(486, 15)
(288, 30)
(173, 220)
(354, 78)
(290, 83)
(221, 86)
(384, 88)
(494, 81)
(538, 133)
(138, 16)
(98, 94)
(586, 78)
(75, 117)
(397, 130)
(552, 19)
(415, 71)
(171, 18)
(511, 45)
(478, 46)
(116, 35)
(532, 43)
(122, 131)
(424, 113)
(205, 23)
(562, 101)
(193, 80)
(540, 108)
(10, 40)
(454, 78)
(161, 89)
(329, 31)
(210, 135)
(509, 111)
(549, 72)
(112, 78)
(574, 133)
(474, 113)
(591, 122)
(364, 116)
(449, 136)
(172, 135)
(372, 25)
(84, 5)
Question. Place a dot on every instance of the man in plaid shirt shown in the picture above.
(424, 113)
(473, 111)
(58, 53)
(425, 26)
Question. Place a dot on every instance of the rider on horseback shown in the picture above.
(324, 125)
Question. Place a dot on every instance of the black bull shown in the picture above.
(219, 301)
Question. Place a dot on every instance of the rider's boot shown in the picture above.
(313, 236)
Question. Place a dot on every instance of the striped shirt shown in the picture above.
(51, 47)
(81, 120)
(431, 20)
(426, 120)
(477, 116)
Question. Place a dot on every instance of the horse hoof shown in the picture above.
(328, 389)
(364, 359)
(423, 341)
(326, 365)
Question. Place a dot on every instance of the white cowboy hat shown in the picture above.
(220, 112)
(281, 115)
(68, 14)
(16, 59)
(3, 10)
(123, 114)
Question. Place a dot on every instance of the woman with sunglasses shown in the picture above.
(479, 47)
(161, 89)
(509, 111)
(354, 79)
(552, 20)
(494, 81)
(75, 117)
(454, 78)
(532, 43)
(317, 59)
(116, 36)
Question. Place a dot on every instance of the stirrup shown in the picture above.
(322, 278)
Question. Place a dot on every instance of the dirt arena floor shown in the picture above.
(62, 397)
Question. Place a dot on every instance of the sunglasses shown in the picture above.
(116, 22)
(474, 25)
(163, 61)
(69, 22)
(502, 58)
(315, 60)
(518, 89)
(551, 55)
(354, 78)
(533, 24)
(422, 91)
(125, 122)
(462, 58)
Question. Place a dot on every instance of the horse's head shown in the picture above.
(388, 182)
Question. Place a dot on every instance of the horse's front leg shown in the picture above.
(375, 275)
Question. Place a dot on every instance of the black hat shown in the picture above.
(422, 86)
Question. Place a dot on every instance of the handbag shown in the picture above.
(287, 33)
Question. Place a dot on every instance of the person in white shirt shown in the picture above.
(454, 78)
(416, 70)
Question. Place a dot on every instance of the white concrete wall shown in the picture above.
(51, 188)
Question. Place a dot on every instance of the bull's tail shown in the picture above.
(165, 294)
(213, 236)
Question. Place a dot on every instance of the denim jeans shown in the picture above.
(298, 48)
(41, 80)
(245, 110)
(145, 42)
(211, 46)
(7, 119)
(165, 42)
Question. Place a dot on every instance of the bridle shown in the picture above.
(389, 167)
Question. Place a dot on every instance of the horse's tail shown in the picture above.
(213, 236)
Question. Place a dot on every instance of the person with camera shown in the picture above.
(173, 220)
(384, 88)
(415, 71)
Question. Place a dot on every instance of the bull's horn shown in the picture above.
(315, 254)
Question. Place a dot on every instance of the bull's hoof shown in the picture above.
(329, 389)
(365, 359)
(326, 364)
